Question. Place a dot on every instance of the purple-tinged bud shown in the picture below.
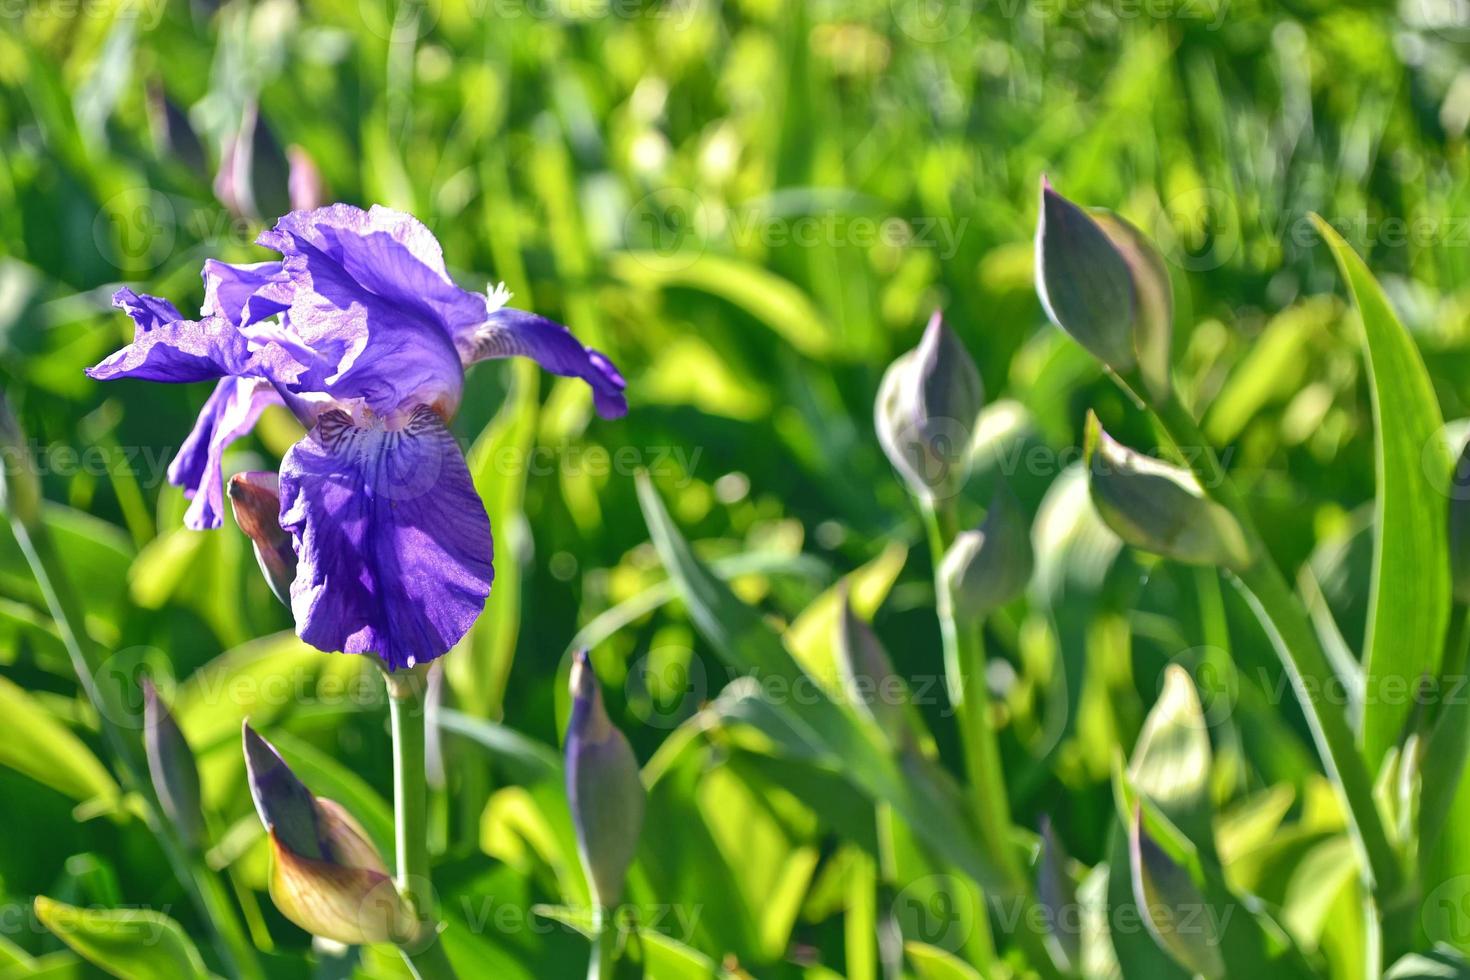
(868, 676)
(305, 182)
(255, 499)
(20, 488)
(604, 790)
(1106, 285)
(1058, 895)
(171, 767)
(1171, 904)
(1460, 526)
(927, 411)
(1160, 508)
(326, 875)
(989, 566)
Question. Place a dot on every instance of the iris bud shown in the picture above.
(604, 790)
(326, 875)
(1160, 508)
(927, 410)
(20, 490)
(1106, 285)
(1460, 526)
(171, 767)
(255, 499)
(989, 566)
(867, 673)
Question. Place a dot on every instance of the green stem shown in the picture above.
(425, 953)
(1302, 657)
(964, 660)
(604, 949)
(231, 944)
(964, 667)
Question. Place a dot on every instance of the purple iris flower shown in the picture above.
(360, 332)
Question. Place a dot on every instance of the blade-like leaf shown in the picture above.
(33, 742)
(739, 635)
(1171, 762)
(135, 944)
(1410, 602)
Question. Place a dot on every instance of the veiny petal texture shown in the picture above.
(509, 332)
(394, 543)
(230, 412)
(369, 289)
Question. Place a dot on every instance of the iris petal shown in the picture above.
(230, 412)
(368, 291)
(393, 541)
(510, 332)
(167, 347)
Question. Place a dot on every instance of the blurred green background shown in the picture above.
(752, 206)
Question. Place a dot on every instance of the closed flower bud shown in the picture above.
(988, 567)
(928, 404)
(1160, 508)
(1460, 526)
(255, 499)
(326, 875)
(867, 674)
(171, 766)
(20, 489)
(604, 790)
(1106, 285)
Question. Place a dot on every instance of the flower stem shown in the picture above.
(604, 948)
(964, 664)
(1301, 653)
(425, 953)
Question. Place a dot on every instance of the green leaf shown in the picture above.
(134, 944)
(741, 637)
(933, 963)
(34, 742)
(500, 464)
(812, 636)
(669, 959)
(1171, 761)
(524, 758)
(774, 301)
(1410, 595)
(1442, 963)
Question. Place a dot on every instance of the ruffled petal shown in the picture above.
(369, 293)
(245, 294)
(231, 412)
(167, 347)
(393, 541)
(509, 332)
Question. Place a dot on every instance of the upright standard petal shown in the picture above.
(245, 294)
(510, 332)
(230, 412)
(366, 297)
(394, 543)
